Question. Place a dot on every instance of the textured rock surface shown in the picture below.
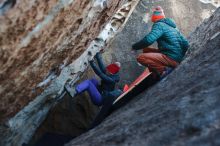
(119, 49)
(22, 126)
(182, 109)
(37, 38)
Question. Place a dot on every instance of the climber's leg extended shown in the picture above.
(156, 61)
(91, 87)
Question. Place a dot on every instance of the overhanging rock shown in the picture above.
(22, 126)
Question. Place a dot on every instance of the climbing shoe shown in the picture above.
(167, 71)
(71, 91)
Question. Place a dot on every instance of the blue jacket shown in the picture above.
(108, 82)
(170, 41)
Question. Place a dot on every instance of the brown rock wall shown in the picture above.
(31, 46)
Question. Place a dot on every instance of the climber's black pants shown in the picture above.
(105, 110)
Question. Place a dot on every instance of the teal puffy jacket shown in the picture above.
(170, 41)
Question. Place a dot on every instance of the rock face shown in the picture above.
(120, 50)
(38, 38)
(182, 109)
(45, 43)
(21, 127)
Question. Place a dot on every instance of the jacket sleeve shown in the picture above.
(100, 62)
(185, 44)
(149, 39)
(102, 75)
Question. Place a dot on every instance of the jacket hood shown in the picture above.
(169, 22)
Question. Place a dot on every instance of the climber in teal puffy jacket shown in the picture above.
(172, 45)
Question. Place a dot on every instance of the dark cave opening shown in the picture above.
(68, 119)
